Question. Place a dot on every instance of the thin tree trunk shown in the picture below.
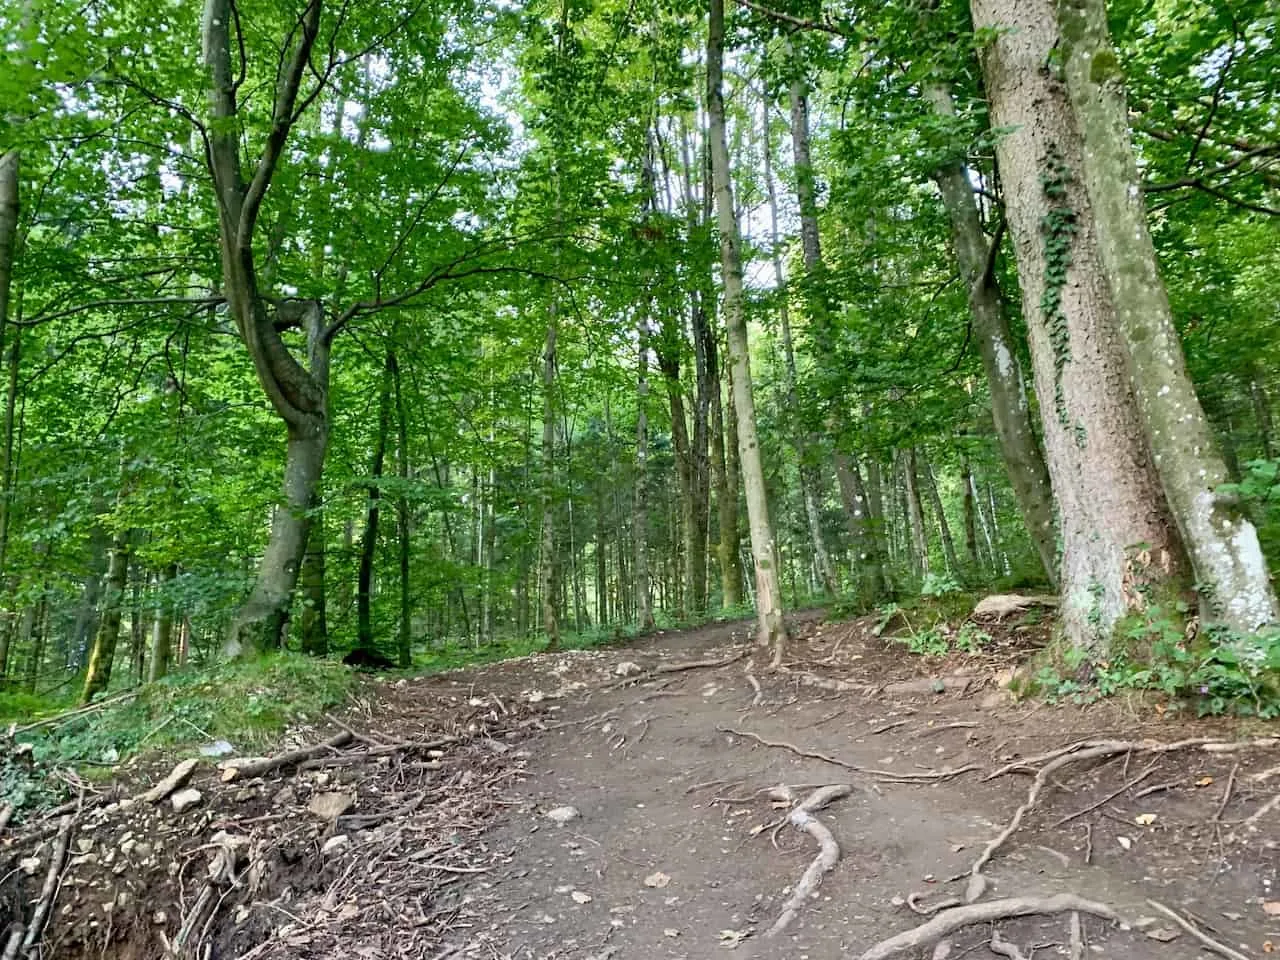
(726, 507)
(404, 639)
(162, 631)
(1261, 412)
(37, 638)
(772, 631)
(1118, 540)
(801, 438)
(944, 528)
(313, 626)
(9, 213)
(1232, 577)
(1009, 407)
(867, 545)
(970, 514)
(548, 567)
(915, 512)
(369, 540)
(103, 654)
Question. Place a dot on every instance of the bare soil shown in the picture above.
(676, 849)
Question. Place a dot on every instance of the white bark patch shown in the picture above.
(1004, 361)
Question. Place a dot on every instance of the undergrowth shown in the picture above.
(246, 703)
(1216, 671)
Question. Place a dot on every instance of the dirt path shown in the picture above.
(666, 858)
(440, 844)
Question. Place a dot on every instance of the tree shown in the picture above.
(772, 630)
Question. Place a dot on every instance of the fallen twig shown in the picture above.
(1262, 811)
(1075, 931)
(959, 725)
(1121, 746)
(1226, 794)
(802, 818)
(77, 712)
(666, 668)
(948, 921)
(1108, 798)
(1208, 941)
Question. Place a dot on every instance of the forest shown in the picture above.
(433, 328)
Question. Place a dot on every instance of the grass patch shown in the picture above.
(245, 702)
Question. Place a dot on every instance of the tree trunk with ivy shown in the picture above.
(1231, 573)
(103, 654)
(1119, 544)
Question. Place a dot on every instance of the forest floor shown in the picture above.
(433, 823)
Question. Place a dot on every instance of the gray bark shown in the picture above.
(1010, 410)
(404, 639)
(944, 528)
(1230, 571)
(369, 539)
(772, 631)
(915, 512)
(1116, 532)
(803, 442)
(102, 656)
(548, 564)
(640, 517)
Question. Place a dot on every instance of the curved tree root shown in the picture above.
(1072, 753)
(949, 921)
(1209, 943)
(802, 818)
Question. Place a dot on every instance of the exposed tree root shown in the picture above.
(949, 921)
(1075, 933)
(887, 776)
(1262, 811)
(1073, 753)
(929, 909)
(802, 818)
(1209, 943)
(1003, 948)
(1108, 798)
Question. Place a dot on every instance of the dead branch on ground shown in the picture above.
(247, 769)
(949, 921)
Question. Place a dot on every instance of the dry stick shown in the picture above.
(1108, 798)
(960, 725)
(676, 668)
(257, 768)
(949, 921)
(802, 818)
(755, 685)
(15, 942)
(1088, 844)
(50, 889)
(1191, 928)
(893, 776)
(1147, 791)
(1262, 811)
(1265, 774)
(886, 727)
(1226, 794)
(77, 712)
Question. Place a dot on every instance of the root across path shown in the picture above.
(666, 800)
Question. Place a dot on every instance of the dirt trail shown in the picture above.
(666, 845)
(671, 851)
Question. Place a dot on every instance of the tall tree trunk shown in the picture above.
(9, 213)
(162, 630)
(1261, 413)
(1116, 532)
(730, 547)
(726, 511)
(944, 528)
(772, 632)
(313, 627)
(706, 382)
(103, 653)
(369, 540)
(1010, 410)
(548, 564)
(667, 348)
(970, 514)
(36, 638)
(915, 512)
(404, 639)
(803, 441)
(1231, 573)
(298, 394)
